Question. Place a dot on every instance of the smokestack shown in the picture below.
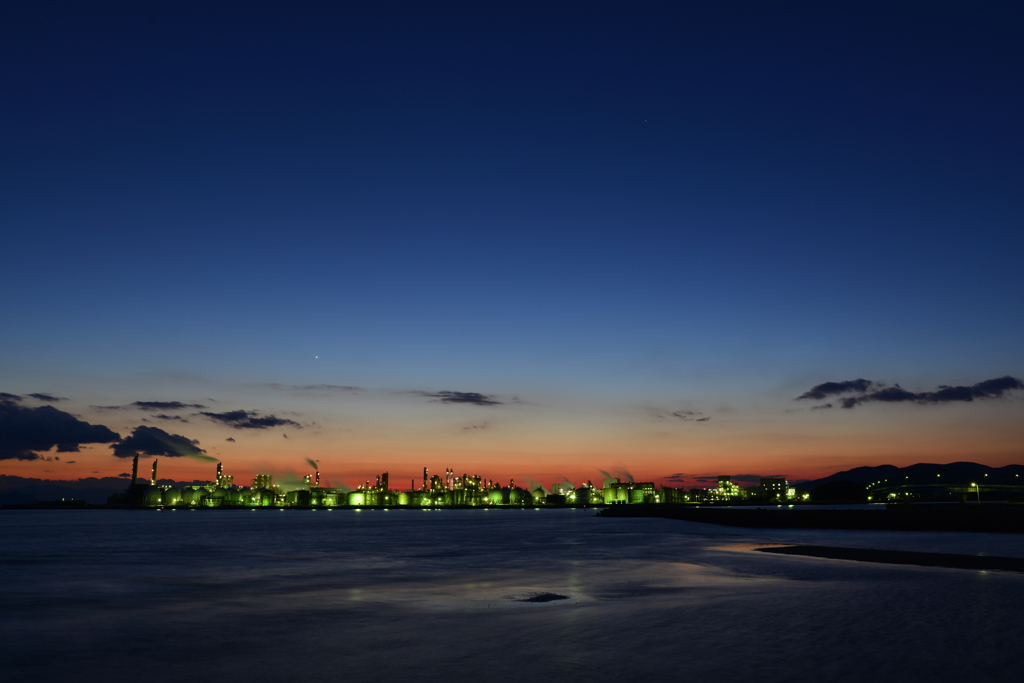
(318, 478)
(220, 471)
(152, 481)
(424, 478)
(135, 469)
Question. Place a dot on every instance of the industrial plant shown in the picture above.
(434, 491)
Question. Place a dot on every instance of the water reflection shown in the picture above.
(375, 596)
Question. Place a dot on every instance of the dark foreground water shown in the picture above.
(438, 596)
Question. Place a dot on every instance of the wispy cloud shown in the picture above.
(165, 405)
(315, 389)
(47, 398)
(678, 415)
(153, 405)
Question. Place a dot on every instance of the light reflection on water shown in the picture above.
(101, 595)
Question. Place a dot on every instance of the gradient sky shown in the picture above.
(639, 231)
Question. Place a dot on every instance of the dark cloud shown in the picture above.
(25, 431)
(677, 477)
(164, 405)
(482, 425)
(176, 418)
(4, 396)
(70, 462)
(470, 397)
(155, 441)
(702, 419)
(249, 419)
(48, 398)
(990, 388)
(894, 394)
(827, 405)
(821, 391)
(231, 439)
(994, 388)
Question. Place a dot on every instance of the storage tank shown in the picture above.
(172, 496)
(192, 496)
(264, 497)
(154, 496)
(298, 497)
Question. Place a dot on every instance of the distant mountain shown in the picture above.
(21, 490)
(954, 473)
(41, 492)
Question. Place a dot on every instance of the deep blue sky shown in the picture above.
(625, 203)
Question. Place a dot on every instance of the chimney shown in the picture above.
(135, 469)
(318, 478)
(152, 481)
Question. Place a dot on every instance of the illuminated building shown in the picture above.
(617, 492)
(451, 490)
(726, 490)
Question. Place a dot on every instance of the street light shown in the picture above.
(978, 490)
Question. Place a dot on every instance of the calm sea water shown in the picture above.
(436, 596)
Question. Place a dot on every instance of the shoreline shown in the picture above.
(1003, 518)
(904, 557)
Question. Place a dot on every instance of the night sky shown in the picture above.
(531, 240)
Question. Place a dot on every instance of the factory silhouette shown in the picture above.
(450, 491)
